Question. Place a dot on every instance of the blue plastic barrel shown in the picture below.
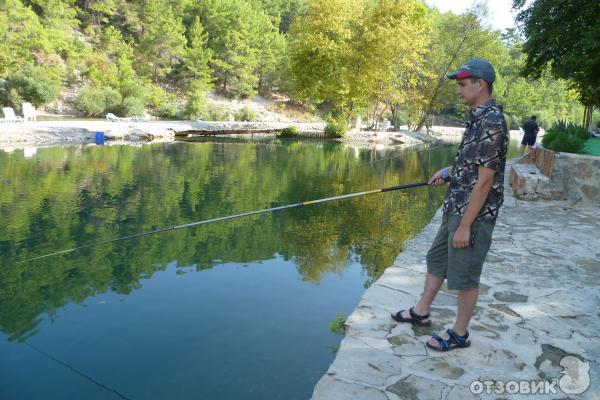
(99, 138)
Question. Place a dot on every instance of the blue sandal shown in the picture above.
(455, 341)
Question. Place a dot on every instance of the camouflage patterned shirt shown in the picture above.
(485, 142)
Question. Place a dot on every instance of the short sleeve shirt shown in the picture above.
(485, 143)
(530, 127)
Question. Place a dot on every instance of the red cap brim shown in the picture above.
(463, 75)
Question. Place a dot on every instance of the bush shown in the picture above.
(565, 137)
(156, 96)
(336, 127)
(132, 106)
(338, 325)
(512, 121)
(196, 104)
(566, 144)
(36, 84)
(245, 114)
(94, 101)
(215, 113)
(289, 132)
(167, 110)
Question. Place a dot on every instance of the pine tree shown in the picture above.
(162, 43)
(198, 55)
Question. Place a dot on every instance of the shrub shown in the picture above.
(338, 325)
(167, 110)
(336, 127)
(289, 132)
(565, 137)
(215, 113)
(245, 114)
(94, 101)
(37, 84)
(132, 106)
(567, 144)
(512, 121)
(156, 96)
(196, 104)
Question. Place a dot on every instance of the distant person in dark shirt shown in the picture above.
(531, 129)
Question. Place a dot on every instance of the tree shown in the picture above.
(395, 42)
(196, 103)
(198, 55)
(162, 40)
(563, 35)
(455, 38)
(235, 30)
(21, 37)
(323, 51)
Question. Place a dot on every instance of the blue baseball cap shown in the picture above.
(475, 68)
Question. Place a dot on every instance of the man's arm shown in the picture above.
(485, 179)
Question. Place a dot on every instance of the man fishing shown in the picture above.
(473, 199)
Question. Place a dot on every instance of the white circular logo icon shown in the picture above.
(576, 375)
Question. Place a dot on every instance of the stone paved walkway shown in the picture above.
(539, 301)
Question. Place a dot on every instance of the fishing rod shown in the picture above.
(246, 214)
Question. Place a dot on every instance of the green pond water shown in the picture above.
(232, 310)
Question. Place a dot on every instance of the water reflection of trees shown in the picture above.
(66, 197)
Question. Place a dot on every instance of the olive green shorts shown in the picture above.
(461, 267)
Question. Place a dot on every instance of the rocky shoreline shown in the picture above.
(48, 133)
(61, 132)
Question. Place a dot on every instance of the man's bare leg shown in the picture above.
(431, 289)
(522, 149)
(467, 299)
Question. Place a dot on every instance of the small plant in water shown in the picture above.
(289, 132)
(338, 325)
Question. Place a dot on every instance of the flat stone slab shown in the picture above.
(536, 318)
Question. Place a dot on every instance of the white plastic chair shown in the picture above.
(10, 116)
(29, 112)
(113, 118)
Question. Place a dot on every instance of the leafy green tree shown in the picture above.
(33, 83)
(283, 12)
(455, 39)
(323, 51)
(395, 42)
(563, 35)
(94, 101)
(198, 55)
(196, 103)
(162, 41)
(236, 31)
(21, 36)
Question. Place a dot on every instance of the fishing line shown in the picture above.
(229, 217)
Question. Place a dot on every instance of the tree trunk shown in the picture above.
(350, 109)
(587, 116)
(394, 110)
(429, 108)
(381, 113)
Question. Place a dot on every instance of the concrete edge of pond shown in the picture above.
(83, 131)
(538, 304)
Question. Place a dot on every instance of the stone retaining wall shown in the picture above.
(579, 176)
(544, 174)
